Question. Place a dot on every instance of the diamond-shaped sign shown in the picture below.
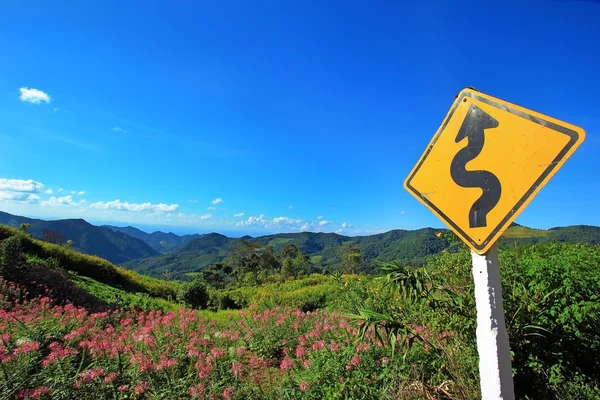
(485, 164)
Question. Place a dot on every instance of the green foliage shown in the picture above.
(91, 266)
(194, 294)
(12, 258)
(552, 311)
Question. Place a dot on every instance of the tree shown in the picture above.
(12, 258)
(194, 294)
(287, 268)
(351, 258)
(24, 227)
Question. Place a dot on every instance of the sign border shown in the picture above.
(576, 135)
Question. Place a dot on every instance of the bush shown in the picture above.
(13, 261)
(194, 294)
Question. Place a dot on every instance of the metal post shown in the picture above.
(495, 368)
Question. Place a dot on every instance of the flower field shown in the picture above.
(64, 352)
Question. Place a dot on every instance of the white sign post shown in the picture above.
(495, 368)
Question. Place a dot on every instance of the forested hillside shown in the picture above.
(116, 247)
(410, 247)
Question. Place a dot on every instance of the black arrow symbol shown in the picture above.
(473, 128)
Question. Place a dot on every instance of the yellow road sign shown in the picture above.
(485, 164)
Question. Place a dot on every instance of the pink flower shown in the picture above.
(286, 364)
(334, 347)
(141, 387)
(228, 393)
(300, 351)
(123, 388)
(110, 378)
(197, 390)
(236, 367)
(304, 386)
(27, 347)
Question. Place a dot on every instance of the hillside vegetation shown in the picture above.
(409, 247)
(90, 266)
(318, 336)
(116, 247)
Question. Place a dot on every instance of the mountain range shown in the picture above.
(157, 252)
(160, 241)
(407, 246)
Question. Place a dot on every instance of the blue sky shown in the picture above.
(147, 113)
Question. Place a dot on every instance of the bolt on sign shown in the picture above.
(486, 162)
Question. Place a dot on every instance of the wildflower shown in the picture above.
(228, 393)
(304, 386)
(27, 347)
(123, 388)
(334, 347)
(286, 364)
(300, 351)
(236, 367)
(110, 378)
(197, 391)
(141, 387)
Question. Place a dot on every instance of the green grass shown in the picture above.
(120, 298)
(316, 259)
(221, 316)
(523, 231)
(92, 267)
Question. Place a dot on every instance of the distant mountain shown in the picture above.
(403, 245)
(116, 247)
(160, 241)
(407, 246)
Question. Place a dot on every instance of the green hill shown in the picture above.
(87, 266)
(406, 246)
(116, 247)
(160, 241)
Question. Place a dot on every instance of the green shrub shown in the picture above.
(13, 261)
(194, 294)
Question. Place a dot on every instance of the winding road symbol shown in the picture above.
(473, 128)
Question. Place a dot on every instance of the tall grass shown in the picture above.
(93, 267)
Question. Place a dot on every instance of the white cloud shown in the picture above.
(238, 215)
(49, 191)
(59, 190)
(325, 222)
(346, 225)
(124, 206)
(286, 220)
(290, 207)
(402, 212)
(339, 231)
(65, 201)
(320, 217)
(19, 190)
(212, 208)
(19, 185)
(305, 227)
(117, 128)
(55, 109)
(19, 197)
(81, 192)
(34, 96)
(217, 201)
(206, 216)
(193, 201)
(278, 222)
